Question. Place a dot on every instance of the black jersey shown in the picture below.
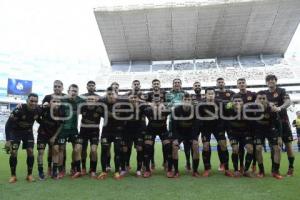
(224, 96)
(49, 124)
(21, 120)
(91, 116)
(268, 118)
(248, 96)
(157, 118)
(137, 119)
(196, 98)
(210, 113)
(236, 122)
(183, 120)
(49, 97)
(156, 95)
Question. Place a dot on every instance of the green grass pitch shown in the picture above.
(157, 187)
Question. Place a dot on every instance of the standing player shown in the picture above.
(69, 131)
(265, 128)
(91, 88)
(225, 96)
(248, 97)
(49, 127)
(89, 131)
(296, 123)
(238, 130)
(19, 128)
(209, 111)
(112, 133)
(282, 101)
(184, 130)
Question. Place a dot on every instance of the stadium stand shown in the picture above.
(161, 66)
(251, 61)
(140, 66)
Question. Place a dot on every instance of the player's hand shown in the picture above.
(7, 147)
(45, 105)
(19, 106)
(52, 140)
(276, 109)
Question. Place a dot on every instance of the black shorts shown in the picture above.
(298, 132)
(43, 140)
(219, 134)
(71, 136)
(134, 135)
(185, 135)
(286, 134)
(89, 135)
(271, 135)
(151, 134)
(26, 138)
(238, 138)
(107, 139)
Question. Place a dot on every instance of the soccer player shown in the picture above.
(58, 88)
(282, 101)
(248, 97)
(156, 95)
(265, 128)
(112, 133)
(49, 127)
(238, 130)
(91, 88)
(69, 131)
(296, 123)
(209, 111)
(184, 130)
(225, 96)
(19, 128)
(89, 131)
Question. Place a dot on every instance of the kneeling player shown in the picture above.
(265, 128)
(184, 131)
(19, 128)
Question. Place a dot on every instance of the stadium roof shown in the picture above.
(199, 29)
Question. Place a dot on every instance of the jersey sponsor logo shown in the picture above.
(227, 94)
(275, 94)
(249, 98)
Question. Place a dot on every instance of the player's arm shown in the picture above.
(294, 123)
(53, 138)
(286, 99)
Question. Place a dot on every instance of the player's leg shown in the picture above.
(167, 143)
(248, 158)
(41, 145)
(152, 160)
(108, 166)
(206, 153)
(105, 144)
(235, 156)
(139, 154)
(196, 157)
(277, 157)
(49, 159)
(84, 156)
(148, 146)
(259, 157)
(13, 159)
(298, 141)
(287, 138)
(55, 160)
(175, 149)
(187, 151)
(28, 144)
(77, 149)
(61, 157)
(224, 154)
(94, 141)
(117, 158)
(241, 156)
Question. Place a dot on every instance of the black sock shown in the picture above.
(235, 161)
(64, 162)
(40, 168)
(93, 165)
(73, 166)
(241, 154)
(272, 159)
(175, 162)
(30, 162)
(261, 168)
(54, 169)
(291, 162)
(108, 160)
(206, 159)
(140, 158)
(147, 154)
(77, 165)
(195, 165)
(187, 152)
(61, 168)
(254, 156)
(219, 153)
(249, 158)
(103, 159)
(13, 164)
(276, 167)
(83, 163)
(298, 146)
(224, 158)
(49, 162)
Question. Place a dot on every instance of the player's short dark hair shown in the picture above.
(236, 96)
(261, 92)
(177, 79)
(91, 82)
(136, 81)
(73, 85)
(209, 89)
(155, 80)
(32, 95)
(220, 79)
(196, 82)
(109, 89)
(271, 77)
(186, 95)
(241, 79)
(114, 83)
(58, 81)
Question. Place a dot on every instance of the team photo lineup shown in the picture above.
(243, 121)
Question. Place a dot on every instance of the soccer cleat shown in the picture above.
(152, 167)
(170, 174)
(147, 174)
(76, 175)
(138, 174)
(83, 172)
(260, 175)
(237, 174)
(228, 173)
(241, 169)
(102, 176)
(123, 173)
(117, 176)
(196, 174)
(176, 175)
(49, 171)
(188, 168)
(248, 174)
(290, 172)
(108, 168)
(253, 168)
(60, 175)
(41, 176)
(72, 172)
(221, 168)
(93, 175)
(13, 179)
(30, 178)
(206, 173)
(277, 176)
(128, 168)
